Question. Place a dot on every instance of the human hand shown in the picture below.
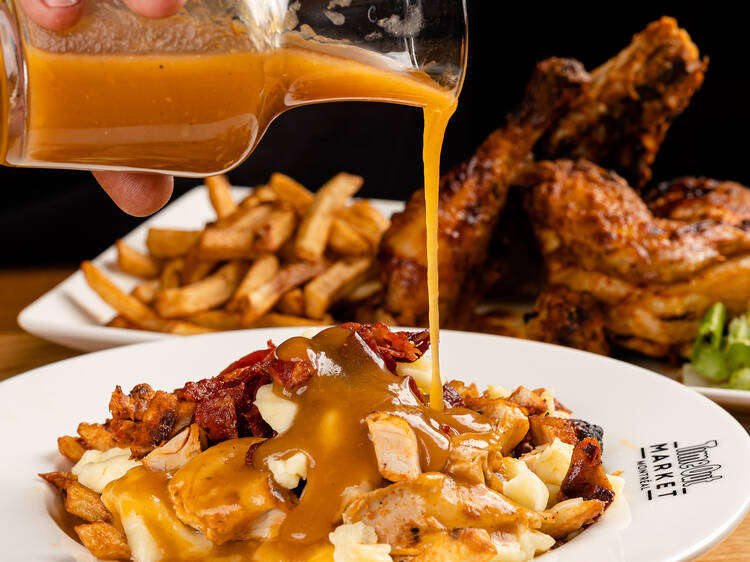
(138, 194)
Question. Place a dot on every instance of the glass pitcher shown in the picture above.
(192, 94)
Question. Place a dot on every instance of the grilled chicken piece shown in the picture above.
(471, 197)
(568, 516)
(621, 120)
(240, 507)
(396, 447)
(591, 217)
(176, 452)
(510, 419)
(568, 318)
(433, 502)
(467, 545)
(701, 199)
(654, 276)
(586, 477)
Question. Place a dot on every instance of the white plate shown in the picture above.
(72, 315)
(639, 411)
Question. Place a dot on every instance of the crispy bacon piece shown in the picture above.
(392, 347)
(544, 429)
(217, 414)
(241, 371)
(586, 477)
(289, 373)
(452, 397)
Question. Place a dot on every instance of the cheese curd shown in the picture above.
(420, 370)
(494, 392)
(288, 472)
(276, 411)
(96, 469)
(524, 487)
(356, 542)
(523, 547)
(552, 461)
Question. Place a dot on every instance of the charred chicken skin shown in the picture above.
(471, 197)
(620, 121)
(654, 276)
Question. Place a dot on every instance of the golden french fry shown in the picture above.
(96, 436)
(346, 241)
(263, 269)
(259, 195)
(146, 291)
(104, 541)
(85, 503)
(120, 321)
(326, 288)
(262, 299)
(127, 305)
(292, 303)
(291, 192)
(247, 219)
(165, 243)
(216, 320)
(365, 290)
(226, 244)
(208, 293)
(70, 447)
(277, 320)
(312, 234)
(195, 268)
(133, 262)
(220, 194)
(171, 275)
(182, 328)
(366, 220)
(275, 230)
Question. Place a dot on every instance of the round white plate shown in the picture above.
(684, 459)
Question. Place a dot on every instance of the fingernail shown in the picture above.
(61, 3)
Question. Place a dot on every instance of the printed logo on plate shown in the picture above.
(666, 470)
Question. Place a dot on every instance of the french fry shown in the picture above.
(312, 234)
(196, 268)
(220, 194)
(133, 262)
(292, 303)
(165, 243)
(85, 503)
(70, 447)
(171, 275)
(364, 290)
(275, 230)
(208, 293)
(277, 320)
(291, 192)
(216, 320)
(262, 299)
(247, 219)
(226, 244)
(95, 436)
(366, 220)
(182, 328)
(263, 269)
(120, 321)
(259, 195)
(346, 241)
(104, 541)
(326, 288)
(146, 291)
(127, 305)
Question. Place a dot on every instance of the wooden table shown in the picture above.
(20, 352)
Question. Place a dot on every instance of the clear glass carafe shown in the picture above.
(192, 94)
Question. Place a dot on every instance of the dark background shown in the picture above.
(55, 217)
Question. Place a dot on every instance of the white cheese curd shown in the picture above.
(617, 483)
(528, 543)
(96, 469)
(494, 392)
(288, 472)
(276, 411)
(553, 462)
(524, 487)
(356, 542)
(420, 370)
(143, 545)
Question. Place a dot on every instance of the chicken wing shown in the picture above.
(471, 197)
(621, 120)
